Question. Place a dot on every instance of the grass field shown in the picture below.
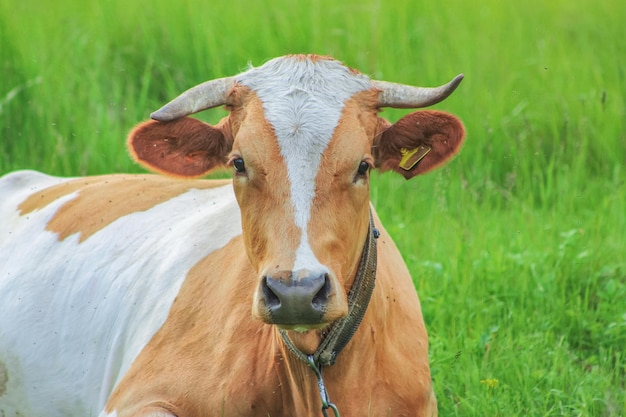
(517, 247)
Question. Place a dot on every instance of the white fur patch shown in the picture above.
(303, 101)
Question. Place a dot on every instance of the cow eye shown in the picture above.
(363, 168)
(240, 167)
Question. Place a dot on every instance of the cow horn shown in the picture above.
(201, 97)
(402, 96)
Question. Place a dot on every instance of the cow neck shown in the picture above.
(342, 330)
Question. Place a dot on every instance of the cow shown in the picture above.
(277, 292)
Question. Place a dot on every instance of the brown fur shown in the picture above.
(312, 57)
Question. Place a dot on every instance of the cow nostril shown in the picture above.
(320, 299)
(271, 299)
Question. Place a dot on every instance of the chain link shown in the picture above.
(326, 404)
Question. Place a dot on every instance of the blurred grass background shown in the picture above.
(517, 247)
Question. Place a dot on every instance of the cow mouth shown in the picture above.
(302, 328)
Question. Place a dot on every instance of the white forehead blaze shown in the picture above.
(303, 100)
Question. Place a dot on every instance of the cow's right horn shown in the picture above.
(201, 97)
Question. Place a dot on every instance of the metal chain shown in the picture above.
(326, 404)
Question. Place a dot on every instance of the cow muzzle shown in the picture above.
(295, 300)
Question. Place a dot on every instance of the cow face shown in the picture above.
(302, 136)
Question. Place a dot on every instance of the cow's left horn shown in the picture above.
(402, 96)
(201, 97)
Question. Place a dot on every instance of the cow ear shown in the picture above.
(183, 147)
(418, 142)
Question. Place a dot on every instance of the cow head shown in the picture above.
(302, 135)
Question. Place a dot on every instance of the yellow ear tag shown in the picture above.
(410, 158)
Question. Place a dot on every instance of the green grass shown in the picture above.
(517, 247)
